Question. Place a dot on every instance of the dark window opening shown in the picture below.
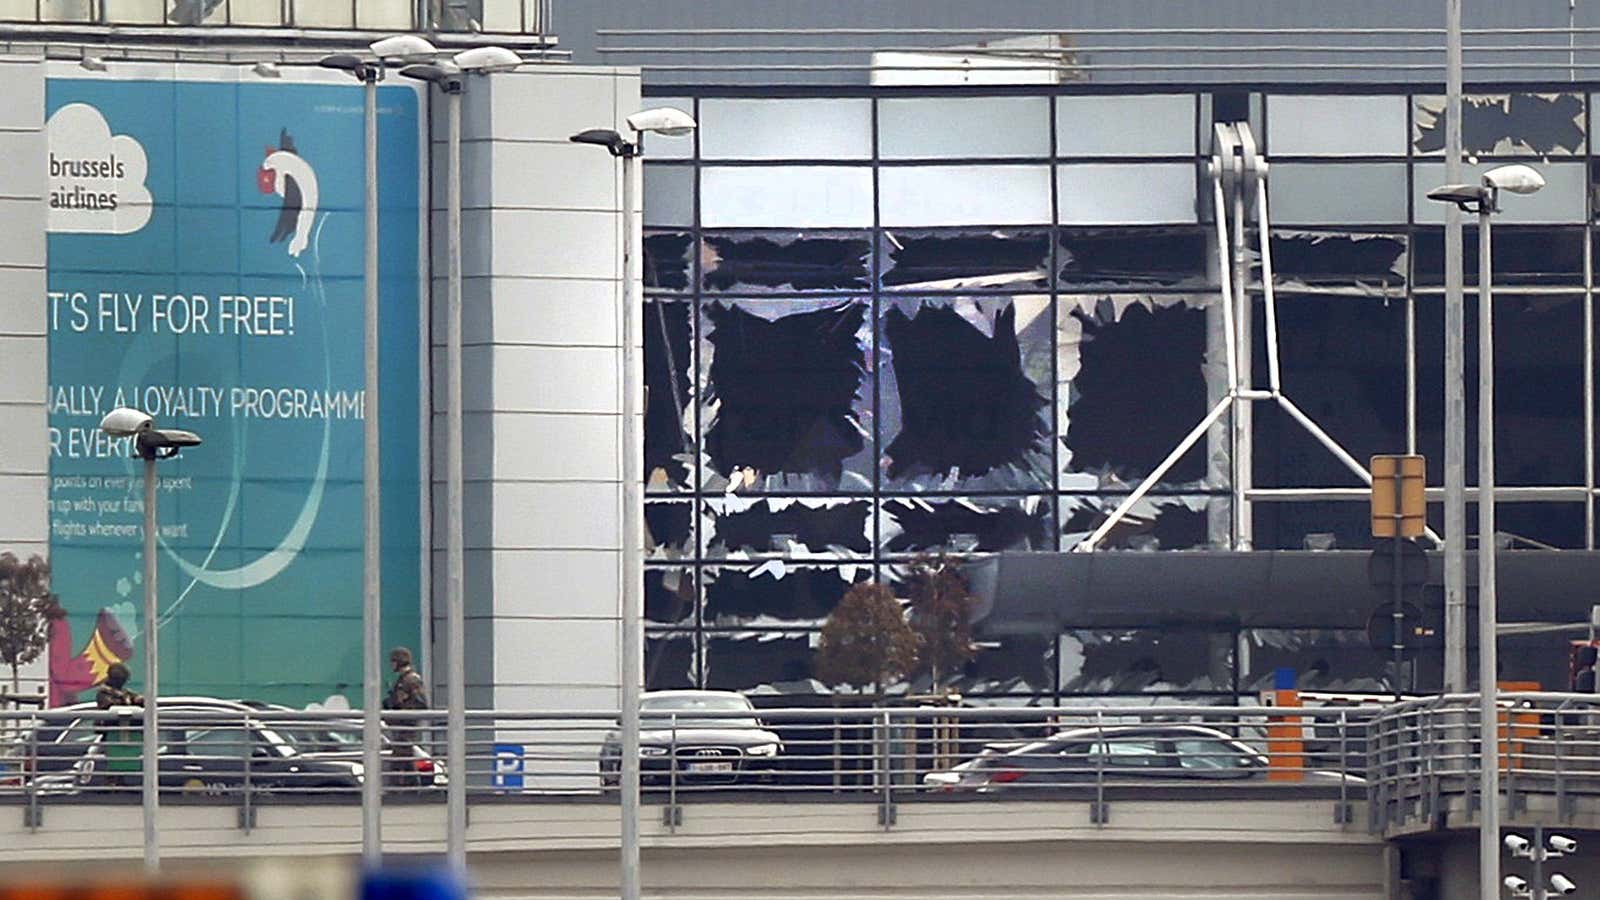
(1159, 523)
(669, 596)
(669, 661)
(1522, 123)
(732, 262)
(801, 594)
(1132, 256)
(965, 260)
(841, 525)
(669, 527)
(668, 444)
(666, 261)
(976, 525)
(1522, 255)
(1334, 258)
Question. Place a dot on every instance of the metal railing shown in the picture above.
(250, 757)
(1426, 758)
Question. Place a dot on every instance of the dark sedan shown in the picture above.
(696, 738)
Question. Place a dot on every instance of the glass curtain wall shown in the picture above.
(887, 323)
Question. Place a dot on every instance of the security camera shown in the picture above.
(1517, 844)
(125, 422)
(1516, 885)
(1561, 884)
(1560, 843)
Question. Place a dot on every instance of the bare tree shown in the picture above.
(941, 613)
(866, 640)
(26, 610)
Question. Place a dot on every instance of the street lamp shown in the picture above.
(150, 443)
(451, 78)
(671, 122)
(369, 71)
(1484, 199)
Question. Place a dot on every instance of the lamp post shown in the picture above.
(1484, 199)
(150, 443)
(672, 122)
(451, 79)
(369, 72)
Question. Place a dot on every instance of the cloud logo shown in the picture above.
(96, 178)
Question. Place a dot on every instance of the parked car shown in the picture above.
(704, 737)
(1132, 753)
(205, 751)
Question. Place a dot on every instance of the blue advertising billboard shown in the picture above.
(206, 233)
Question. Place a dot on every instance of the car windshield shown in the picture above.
(663, 712)
(317, 738)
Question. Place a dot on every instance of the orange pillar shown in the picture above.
(1285, 737)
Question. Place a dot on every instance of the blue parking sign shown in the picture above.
(508, 765)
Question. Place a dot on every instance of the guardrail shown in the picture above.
(1426, 757)
(233, 755)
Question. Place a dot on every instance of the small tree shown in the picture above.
(941, 613)
(26, 610)
(866, 640)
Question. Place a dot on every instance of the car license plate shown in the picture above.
(711, 767)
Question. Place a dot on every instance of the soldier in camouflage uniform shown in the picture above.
(407, 693)
(114, 692)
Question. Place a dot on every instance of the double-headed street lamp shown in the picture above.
(451, 78)
(673, 122)
(1484, 199)
(150, 443)
(369, 71)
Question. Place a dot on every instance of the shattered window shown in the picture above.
(790, 527)
(1517, 124)
(668, 195)
(786, 261)
(964, 259)
(669, 454)
(1132, 386)
(1522, 255)
(785, 396)
(1125, 125)
(776, 593)
(964, 195)
(1146, 661)
(963, 127)
(1342, 125)
(1348, 262)
(669, 528)
(670, 661)
(1110, 258)
(762, 661)
(1337, 661)
(667, 260)
(670, 599)
(786, 197)
(1338, 193)
(964, 391)
(786, 128)
(1564, 198)
(966, 524)
(1126, 193)
(1159, 521)
(1330, 524)
(1536, 526)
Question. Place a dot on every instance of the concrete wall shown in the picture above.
(542, 299)
(24, 358)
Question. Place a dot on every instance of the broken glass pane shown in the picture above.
(666, 260)
(1162, 661)
(669, 597)
(1309, 524)
(1342, 125)
(1504, 125)
(966, 524)
(786, 261)
(785, 396)
(763, 662)
(1323, 660)
(964, 259)
(669, 661)
(1338, 193)
(669, 528)
(1564, 197)
(1110, 258)
(1522, 255)
(963, 127)
(913, 196)
(1126, 193)
(1156, 522)
(1322, 260)
(669, 454)
(777, 593)
(738, 527)
(964, 393)
(1132, 386)
(1125, 125)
